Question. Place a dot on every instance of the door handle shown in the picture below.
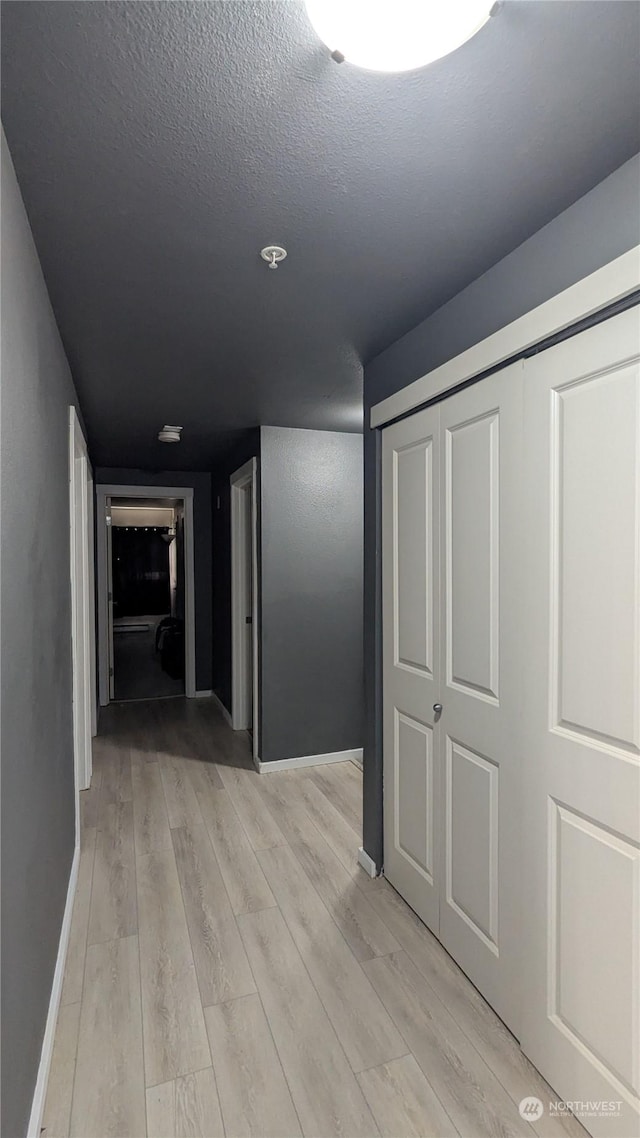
(437, 707)
(248, 620)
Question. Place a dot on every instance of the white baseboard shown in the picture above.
(40, 1093)
(219, 704)
(367, 863)
(308, 761)
(203, 694)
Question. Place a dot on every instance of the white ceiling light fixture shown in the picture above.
(170, 434)
(396, 35)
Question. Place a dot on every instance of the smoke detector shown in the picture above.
(169, 434)
(273, 254)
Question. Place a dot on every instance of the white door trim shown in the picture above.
(46, 1052)
(239, 481)
(354, 756)
(607, 285)
(82, 607)
(181, 493)
(92, 597)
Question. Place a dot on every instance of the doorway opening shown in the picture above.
(147, 604)
(145, 563)
(244, 602)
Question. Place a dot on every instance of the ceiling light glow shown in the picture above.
(395, 35)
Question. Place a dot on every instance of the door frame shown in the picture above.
(180, 493)
(82, 606)
(242, 479)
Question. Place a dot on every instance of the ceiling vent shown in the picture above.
(169, 434)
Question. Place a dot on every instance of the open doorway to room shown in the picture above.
(145, 580)
(147, 599)
(244, 602)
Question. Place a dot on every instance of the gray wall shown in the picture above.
(599, 227)
(38, 824)
(246, 448)
(201, 484)
(311, 592)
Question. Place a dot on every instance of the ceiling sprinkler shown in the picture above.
(273, 254)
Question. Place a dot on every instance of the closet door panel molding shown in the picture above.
(472, 585)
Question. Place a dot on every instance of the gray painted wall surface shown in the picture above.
(38, 825)
(246, 448)
(599, 227)
(311, 592)
(201, 484)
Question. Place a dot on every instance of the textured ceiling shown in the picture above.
(159, 146)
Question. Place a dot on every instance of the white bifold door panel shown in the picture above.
(581, 725)
(480, 597)
(451, 486)
(411, 647)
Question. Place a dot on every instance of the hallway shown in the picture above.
(232, 971)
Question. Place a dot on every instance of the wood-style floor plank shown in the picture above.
(341, 789)
(362, 1025)
(76, 951)
(469, 1092)
(116, 776)
(246, 884)
(90, 801)
(338, 834)
(326, 1095)
(254, 1096)
(203, 775)
(175, 1039)
(481, 1025)
(108, 1096)
(251, 808)
(182, 804)
(56, 1116)
(403, 1101)
(100, 751)
(364, 931)
(221, 963)
(287, 811)
(113, 895)
(150, 819)
(186, 1107)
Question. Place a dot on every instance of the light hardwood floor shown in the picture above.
(233, 971)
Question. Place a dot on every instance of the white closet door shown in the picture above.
(411, 653)
(481, 461)
(581, 604)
